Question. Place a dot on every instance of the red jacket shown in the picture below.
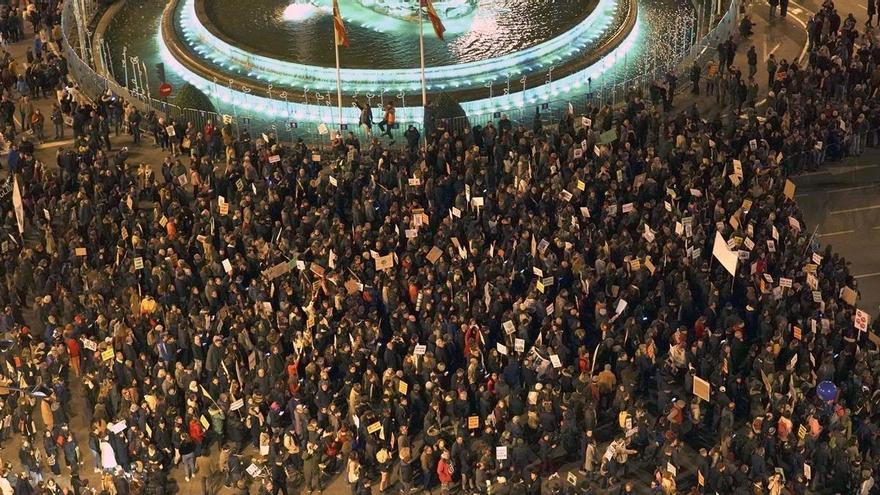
(444, 471)
(72, 347)
(195, 431)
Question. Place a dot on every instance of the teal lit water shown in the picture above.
(497, 27)
(136, 27)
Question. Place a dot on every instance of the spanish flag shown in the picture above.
(339, 26)
(435, 19)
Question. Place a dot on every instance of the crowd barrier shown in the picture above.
(704, 36)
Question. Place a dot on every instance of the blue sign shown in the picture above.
(246, 120)
(496, 115)
(293, 125)
(395, 126)
(545, 106)
(344, 127)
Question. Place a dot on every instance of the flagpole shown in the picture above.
(422, 54)
(338, 74)
(424, 90)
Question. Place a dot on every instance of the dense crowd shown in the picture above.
(476, 316)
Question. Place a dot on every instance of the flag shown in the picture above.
(17, 204)
(339, 26)
(434, 18)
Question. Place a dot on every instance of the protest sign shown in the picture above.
(385, 262)
(848, 295)
(861, 320)
(788, 190)
(701, 388)
(724, 255)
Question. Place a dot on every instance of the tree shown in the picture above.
(190, 96)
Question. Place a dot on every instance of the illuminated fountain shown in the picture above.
(409, 9)
(276, 58)
(300, 11)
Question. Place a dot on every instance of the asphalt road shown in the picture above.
(843, 201)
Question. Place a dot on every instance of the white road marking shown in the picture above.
(866, 275)
(832, 191)
(839, 170)
(803, 24)
(766, 54)
(839, 232)
(854, 210)
(846, 170)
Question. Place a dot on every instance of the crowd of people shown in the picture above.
(507, 304)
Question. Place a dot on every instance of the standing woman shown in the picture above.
(353, 472)
(108, 456)
(187, 454)
(872, 10)
(384, 460)
(38, 122)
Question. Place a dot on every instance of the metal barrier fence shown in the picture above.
(616, 92)
(609, 92)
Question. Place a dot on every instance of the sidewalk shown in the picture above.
(785, 38)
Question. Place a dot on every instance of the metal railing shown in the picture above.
(616, 92)
(610, 92)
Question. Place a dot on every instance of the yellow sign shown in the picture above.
(702, 388)
(473, 422)
(107, 355)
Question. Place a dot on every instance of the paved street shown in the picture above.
(842, 201)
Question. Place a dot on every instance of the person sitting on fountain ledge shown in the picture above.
(388, 120)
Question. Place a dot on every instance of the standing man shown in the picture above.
(752, 57)
(134, 123)
(589, 455)
(695, 78)
(412, 136)
(58, 121)
(771, 71)
(366, 119)
(444, 472)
